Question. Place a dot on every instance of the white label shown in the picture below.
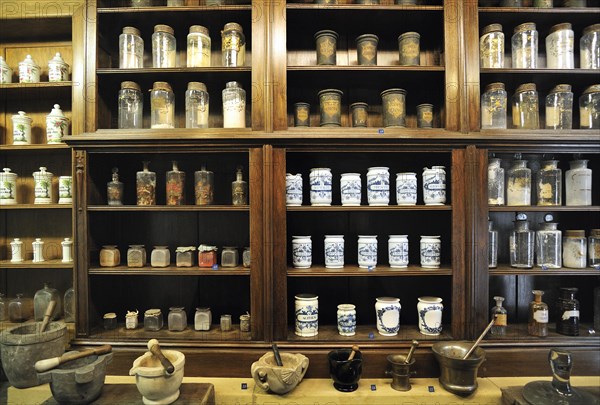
(570, 314)
(541, 316)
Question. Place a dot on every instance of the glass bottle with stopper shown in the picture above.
(500, 314)
(114, 189)
(239, 189)
(538, 316)
(549, 244)
(521, 243)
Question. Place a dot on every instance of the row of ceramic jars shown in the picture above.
(38, 245)
(57, 126)
(43, 191)
(387, 312)
(526, 110)
(378, 187)
(21, 309)
(29, 71)
(430, 248)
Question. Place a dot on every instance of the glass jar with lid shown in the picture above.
(589, 108)
(525, 107)
(578, 183)
(538, 315)
(160, 256)
(114, 189)
(229, 256)
(246, 257)
(491, 47)
(207, 256)
(131, 106)
(20, 309)
(136, 256)
(239, 189)
(41, 301)
(202, 319)
(560, 47)
(162, 106)
(146, 186)
(233, 45)
(524, 44)
(575, 249)
(594, 248)
(196, 105)
(500, 314)
(198, 47)
(177, 319)
(559, 107)
(110, 256)
(204, 181)
(549, 183)
(589, 47)
(175, 182)
(234, 106)
(153, 320)
(494, 107)
(518, 189)
(164, 47)
(184, 256)
(522, 243)
(131, 49)
(568, 312)
(549, 244)
(495, 182)
(110, 321)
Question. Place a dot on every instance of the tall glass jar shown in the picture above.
(41, 301)
(578, 183)
(568, 312)
(114, 189)
(175, 186)
(589, 108)
(491, 47)
(234, 106)
(196, 105)
(575, 249)
(177, 319)
(560, 47)
(500, 314)
(495, 182)
(233, 45)
(549, 244)
(522, 243)
(518, 189)
(494, 107)
(525, 46)
(146, 186)
(525, 107)
(131, 49)
(589, 48)
(204, 186)
(492, 246)
(594, 248)
(198, 47)
(549, 183)
(162, 106)
(239, 189)
(538, 316)
(559, 107)
(164, 47)
(131, 106)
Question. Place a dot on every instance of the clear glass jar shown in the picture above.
(568, 312)
(589, 48)
(184, 256)
(522, 244)
(500, 314)
(202, 319)
(177, 319)
(559, 107)
(560, 47)
(549, 183)
(131, 49)
(131, 106)
(20, 309)
(164, 47)
(198, 47)
(234, 106)
(247, 258)
(525, 46)
(229, 256)
(239, 189)
(225, 323)
(491, 47)
(41, 301)
(136, 256)
(575, 249)
(492, 246)
(518, 189)
(233, 45)
(495, 182)
(160, 256)
(578, 183)
(589, 108)
(525, 107)
(153, 320)
(146, 186)
(204, 181)
(549, 244)
(494, 107)
(207, 256)
(196, 105)
(175, 186)
(114, 189)
(162, 106)
(594, 248)
(538, 316)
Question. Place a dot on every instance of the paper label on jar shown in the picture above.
(368, 51)
(541, 316)
(327, 48)
(410, 49)
(570, 314)
(302, 113)
(395, 107)
(500, 320)
(486, 117)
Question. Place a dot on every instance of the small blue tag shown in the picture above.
(431, 389)
(373, 387)
(544, 267)
(370, 268)
(244, 386)
(371, 335)
(215, 267)
(381, 131)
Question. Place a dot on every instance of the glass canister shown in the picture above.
(559, 107)
(29, 71)
(434, 185)
(430, 251)
(406, 188)
(38, 250)
(367, 251)
(589, 47)
(378, 186)
(321, 191)
(131, 106)
(491, 47)
(114, 189)
(246, 257)
(239, 189)
(521, 243)
(549, 244)
(398, 251)
(229, 256)
(162, 106)
(334, 251)
(175, 190)
(330, 106)
(136, 256)
(574, 246)
(58, 69)
(131, 319)
(8, 187)
(225, 323)
(204, 181)
(41, 301)
(594, 248)
(67, 250)
(492, 246)
(366, 49)
(326, 45)
(501, 317)
(198, 47)
(177, 319)
(16, 250)
(146, 186)
(164, 47)
(160, 256)
(110, 256)
(69, 305)
(306, 309)
(301, 115)
(184, 256)
(359, 114)
(560, 47)
(409, 48)
(202, 319)
(5, 72)
(245, 322)
(524, 43)
(589, 108)
(525, 107)
(301, 252)
(233, 45)
(568, 312)
(196, 105)
(207, 256)
(538, 316)
(494, 107)
(518, 189)
(578, 183)
(293, 189)
(394, 108)
(549, 183)
(57, 125)
(131, 49)
(425, 115)
(21, 128)
(350, 189)
(42, 188)
(153, 320)
(495, 182)
(20, 309)
(234, 105)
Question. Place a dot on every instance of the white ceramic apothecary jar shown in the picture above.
(5, 72)
(65, 189)
(58, 69)
(301, 252)
(16, 250)
(29, 71)
(320, 186)
(8, 187)
(67, 250)
(38, 250)
(21, 128)
(406, 188)
(434, 185)
(306, 308)
(57, 125)
(387, 312)
(430, 247)
(42, 187)
(378, 186)
(350, 189)
(346, 319)
(429, 310)
(334, 251)
(367, 251)
(293, 189)
(398, 251)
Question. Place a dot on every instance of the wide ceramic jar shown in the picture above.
(429, 310)
(378, 186)
(320, 186)
(307, 315)
(387, 311)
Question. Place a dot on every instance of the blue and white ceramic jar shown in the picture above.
(334, 251)
(398, 251)
(434, 185)
(378, 186)
(293, 189)
(367, 251)
(301, 252)
(429, 311)
(387, 311)
(346, 319)
(350, 187)
(430, 252)
(406, 188)
(320, 186)
(306, 308)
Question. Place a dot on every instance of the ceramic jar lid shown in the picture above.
(22, 116)
(29, 61)
(57, 59)
(56, 112)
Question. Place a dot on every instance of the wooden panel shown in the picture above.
(277, 64)
(81, 182)
(260, 265)
(460, 292)
(454, 48)
(35, 9)
(279, 225)
(470, 67)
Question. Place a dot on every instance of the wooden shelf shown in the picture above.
(518, 333)
(355, 271)
(362, 7)
(29, 264)
(122, 336)
(168, 271)
(368, 333)
(40, 85)
(36, 147)
(371, 208)
(163, 9)
(357, 68)
(543, 208)
(36, 207)
(538, 271)
(540, 71)
(177, 70)
(170, 208)
(540, 10)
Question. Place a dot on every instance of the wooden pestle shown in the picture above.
(353, 352)
(49, 364)
(154, 348)
(47, 315)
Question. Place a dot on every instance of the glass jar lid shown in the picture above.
(110, 315)
(198, 29)
(182, 249)
(560, 27)
(233, 85)
(591, 28)
(197, 86)
(164, 28)
(561, 88)
(152, 312)
(494, 86)
(528, 26)
(207, 248)
(595, 88)
(130, 85)
(491, 28)
(132, 314)
(232, 27)
(162, 86)
(575, 233)
(526, 87)
(131, 31)
(595, 233)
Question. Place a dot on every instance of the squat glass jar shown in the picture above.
(524, 44)
(131, 106)
(164, 47)
(233, 45)
(589, 47)
(491, 47)
(198, 47)
(131, 49)
(162, 105)
(234, 106)
(549, 244)
(575, 249)
(196, 105)
(146, 186)
(153, 320)
(589, 108)
(578, 183)
(560, 48)
(559, 107)
(229, 256)
(493, 107)
(525, 107)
